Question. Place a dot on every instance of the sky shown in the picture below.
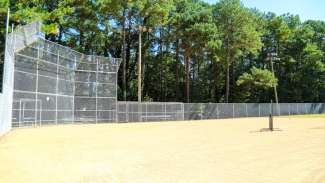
(306, 9)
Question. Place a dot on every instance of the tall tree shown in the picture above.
(238, 32)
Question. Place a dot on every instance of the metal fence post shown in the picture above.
(183, 111)
(146, 104)
(201, 111)
(259, 110)
(217, 111)
(289, 109)
(233, 110)
(165, 113)
(246, 109)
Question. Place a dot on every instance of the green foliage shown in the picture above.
(257, 78)
(238, 29)
(254, 82)
(224, 45)
(4, 6)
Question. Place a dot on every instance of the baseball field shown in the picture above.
(231, 150)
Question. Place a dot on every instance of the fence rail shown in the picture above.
(154, 111)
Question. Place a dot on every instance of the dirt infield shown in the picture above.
(190, 152)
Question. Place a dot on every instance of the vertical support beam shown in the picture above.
(57, 88)
(36, 88)
(271, 57)
(297, 108)
(146, 119)
(271, 118)
(96, 88)
(201, 113)
(40, 114)
(183, 111)
(23, 115)
(116, 101)
(246, 110)
(165, 113)
(289, 109)
(74, 89)
(259, 110)
(218, 111)
(127, 111)
(20, 113)
(233, 110)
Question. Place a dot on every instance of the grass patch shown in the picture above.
(306, 116)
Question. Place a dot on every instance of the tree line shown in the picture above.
(196, 52)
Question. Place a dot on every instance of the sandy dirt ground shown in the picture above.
(191, 152)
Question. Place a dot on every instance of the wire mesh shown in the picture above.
(150, 111)
(71, 86)
(197, 111)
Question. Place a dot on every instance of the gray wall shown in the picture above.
(6, 96)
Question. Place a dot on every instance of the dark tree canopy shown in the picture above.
(197, 52)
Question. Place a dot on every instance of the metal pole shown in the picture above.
(271, 118)
(275, 88)
(36, 83)
(57, 88)
(246, 109)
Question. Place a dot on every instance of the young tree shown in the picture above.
(255, 80)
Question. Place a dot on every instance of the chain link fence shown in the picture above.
(197, 111)
(54, 84)
(151, 111)
(155, 111)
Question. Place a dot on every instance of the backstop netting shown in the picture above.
(54, 84)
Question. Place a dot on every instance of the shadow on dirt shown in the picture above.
(266, 130)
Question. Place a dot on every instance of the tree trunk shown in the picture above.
(128, 55)
(227, 71)
(227, 83)
(124, 56)
(216, 84)
(160, 65)
(187, 77)
(177, 71)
